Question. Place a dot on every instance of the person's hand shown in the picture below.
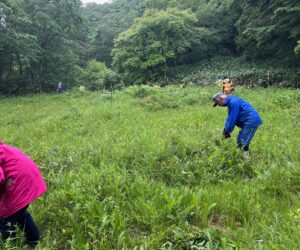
(226, 134)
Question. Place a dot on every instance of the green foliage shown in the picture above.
(42, 42)
(56, 24)
(250, 74)
(96, 72)
(122, 175)
(96, 76)
(17, 47)
(218, 17)
(38, 44)
(157, 4)
(155, 43)
(274, 30)
(111, 80)
(105, 22)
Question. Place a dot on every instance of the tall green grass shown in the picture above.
(148, 169)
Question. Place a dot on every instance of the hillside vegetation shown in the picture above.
(133, 42)
(148, 169)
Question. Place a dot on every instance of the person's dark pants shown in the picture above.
(245, 136)
(24, 221)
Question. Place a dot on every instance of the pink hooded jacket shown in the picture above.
(20, 180)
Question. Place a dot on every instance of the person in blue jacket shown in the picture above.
(240, 114)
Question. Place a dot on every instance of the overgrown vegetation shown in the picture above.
(140, 41)
(148, 169)
(251, 74)
(144, 167)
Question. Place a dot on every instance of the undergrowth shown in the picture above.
(148, 169)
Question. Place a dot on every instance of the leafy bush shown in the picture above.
(96, 74)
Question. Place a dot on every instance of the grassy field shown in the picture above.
(148, 169)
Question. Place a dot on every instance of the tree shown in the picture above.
(96, 73)
(157, 4)
(105, 22)
(269, 28)
(17, 47)
(219, 17)
(56, 25)
(156, 42)
(39, 43)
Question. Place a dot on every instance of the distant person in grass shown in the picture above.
(226, 85)
(59, 87)
(82, 88)
(240, 114)
(20, 184)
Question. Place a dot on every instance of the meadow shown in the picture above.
(147, 169)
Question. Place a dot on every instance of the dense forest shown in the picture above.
(140, 41)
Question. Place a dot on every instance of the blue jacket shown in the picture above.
(240, 113)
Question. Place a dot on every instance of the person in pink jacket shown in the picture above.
(20, 184)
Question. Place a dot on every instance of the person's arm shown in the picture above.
(234, 110)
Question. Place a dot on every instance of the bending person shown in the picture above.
(20, 184)
(240, 114)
